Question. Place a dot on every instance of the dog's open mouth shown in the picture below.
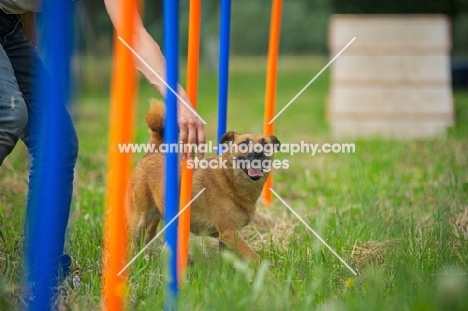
(253, 173)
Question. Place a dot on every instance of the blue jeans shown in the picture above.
(19, 108)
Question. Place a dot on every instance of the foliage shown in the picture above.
(304, 23)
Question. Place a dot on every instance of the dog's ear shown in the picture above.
(229, 136)
(275, 141)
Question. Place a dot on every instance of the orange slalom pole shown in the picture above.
(120, 131)
(186, 179)
(270, 93)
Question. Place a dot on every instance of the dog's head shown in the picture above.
(249, 153)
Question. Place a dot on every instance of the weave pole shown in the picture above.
(225, 24)
(120, 131)
(44, 219)
(192, 90)
(270, 93)
(171, 50)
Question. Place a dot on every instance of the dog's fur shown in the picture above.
(227, 204)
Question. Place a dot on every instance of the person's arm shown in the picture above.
(28, 20)
(191, 129)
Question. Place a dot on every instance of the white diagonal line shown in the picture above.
(313, 79)
(160, 78)
(160, 232)
(315, 233)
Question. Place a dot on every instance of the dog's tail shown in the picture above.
(155, 121)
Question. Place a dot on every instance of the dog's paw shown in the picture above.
(255, 258)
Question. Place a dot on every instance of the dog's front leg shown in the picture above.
(236, 243)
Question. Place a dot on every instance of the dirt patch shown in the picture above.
(372, 251)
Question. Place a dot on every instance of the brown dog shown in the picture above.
(226, 205)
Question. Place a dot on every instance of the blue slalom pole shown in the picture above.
(224, 34)
(46, 218)
(171, 51)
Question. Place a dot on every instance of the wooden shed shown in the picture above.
(394, 79)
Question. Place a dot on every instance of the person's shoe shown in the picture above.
(63, 264)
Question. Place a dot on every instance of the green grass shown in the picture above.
(388, 210)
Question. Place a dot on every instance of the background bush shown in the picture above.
(303, 31)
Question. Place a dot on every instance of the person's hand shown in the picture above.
(191, 130)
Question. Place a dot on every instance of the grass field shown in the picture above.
(389, 210)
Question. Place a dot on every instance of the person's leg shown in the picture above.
(13, 111)
(27, 67)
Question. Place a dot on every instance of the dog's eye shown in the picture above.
(246, 142)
